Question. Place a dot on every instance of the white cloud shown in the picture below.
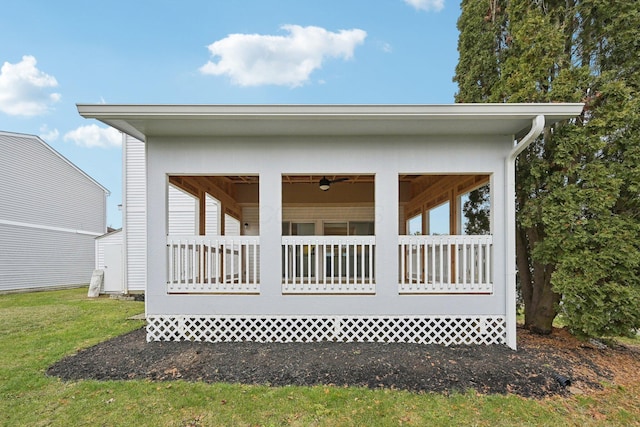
(428, 5)
(91, 136)
(25, 90)
(48, 135)
(254, 59)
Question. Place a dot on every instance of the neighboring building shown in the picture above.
(183, 213)
(110, 259)
(316, 222)
(50, 214)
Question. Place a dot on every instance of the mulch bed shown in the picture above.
(530, 372)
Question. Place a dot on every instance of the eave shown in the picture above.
(143, 121)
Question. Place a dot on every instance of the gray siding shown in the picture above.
(36, 259)
(41, 187)
(50, 214)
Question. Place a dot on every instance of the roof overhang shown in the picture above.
(142, 121)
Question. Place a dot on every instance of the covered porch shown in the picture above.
(328, 240)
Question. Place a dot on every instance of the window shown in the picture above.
(361, 228)
(335, 229)
(298, 228)
(414, 225)
(439, 220)
(349, 228)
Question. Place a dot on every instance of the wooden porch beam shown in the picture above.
(202, 213)
(437, 192)
(215, 186)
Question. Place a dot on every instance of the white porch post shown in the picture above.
(386, 229)
(537, 126)
(510, 261)
(270, 200)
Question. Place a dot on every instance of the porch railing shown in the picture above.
(328, 264)
(213, 264)
(445, 264)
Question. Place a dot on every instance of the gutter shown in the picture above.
(537, 126)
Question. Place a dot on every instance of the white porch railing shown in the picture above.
(328, 264)
(213, 264)
(445, 264)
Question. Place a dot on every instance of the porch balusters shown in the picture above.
(445, 264)
(328, 264)
(205, 264)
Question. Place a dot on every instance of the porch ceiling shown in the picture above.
(191, 183)
(142, 121)
(224, 187)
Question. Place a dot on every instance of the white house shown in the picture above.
(313, 203)
(50, 214)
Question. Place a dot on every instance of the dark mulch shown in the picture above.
(528, 372)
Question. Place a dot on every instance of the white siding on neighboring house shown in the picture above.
(134, 222)
(231, 226)
(50, 214)
(212, 223)
(183, 211)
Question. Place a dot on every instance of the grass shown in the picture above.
(38, 329)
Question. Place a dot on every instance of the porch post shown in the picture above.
(510, 245)
(270, 200)
(387, 217)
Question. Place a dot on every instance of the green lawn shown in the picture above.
(39, 328)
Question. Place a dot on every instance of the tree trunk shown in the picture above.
(540, 302)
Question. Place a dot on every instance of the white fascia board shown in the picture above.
(130, 111)
(142, 120)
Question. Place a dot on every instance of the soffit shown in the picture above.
(143, 121)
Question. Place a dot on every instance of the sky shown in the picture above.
(55, 55)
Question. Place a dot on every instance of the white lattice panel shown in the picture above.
(422, 330)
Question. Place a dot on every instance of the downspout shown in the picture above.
(537, 127)
(125, 258)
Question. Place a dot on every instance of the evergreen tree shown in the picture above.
(578, 186)
(476, 210)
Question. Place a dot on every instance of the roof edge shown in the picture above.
(113, 111)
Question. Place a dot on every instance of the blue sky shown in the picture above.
(56, 54)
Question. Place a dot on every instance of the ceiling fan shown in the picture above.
(325, 183)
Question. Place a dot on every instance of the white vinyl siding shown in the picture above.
(114, 238)
(50, 215)
(251, 217)
(41, 187)
(212, 223)
(37, 259)
(135, 215)
(321, 214)
(183, 210)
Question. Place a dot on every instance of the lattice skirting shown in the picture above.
(423, 330)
